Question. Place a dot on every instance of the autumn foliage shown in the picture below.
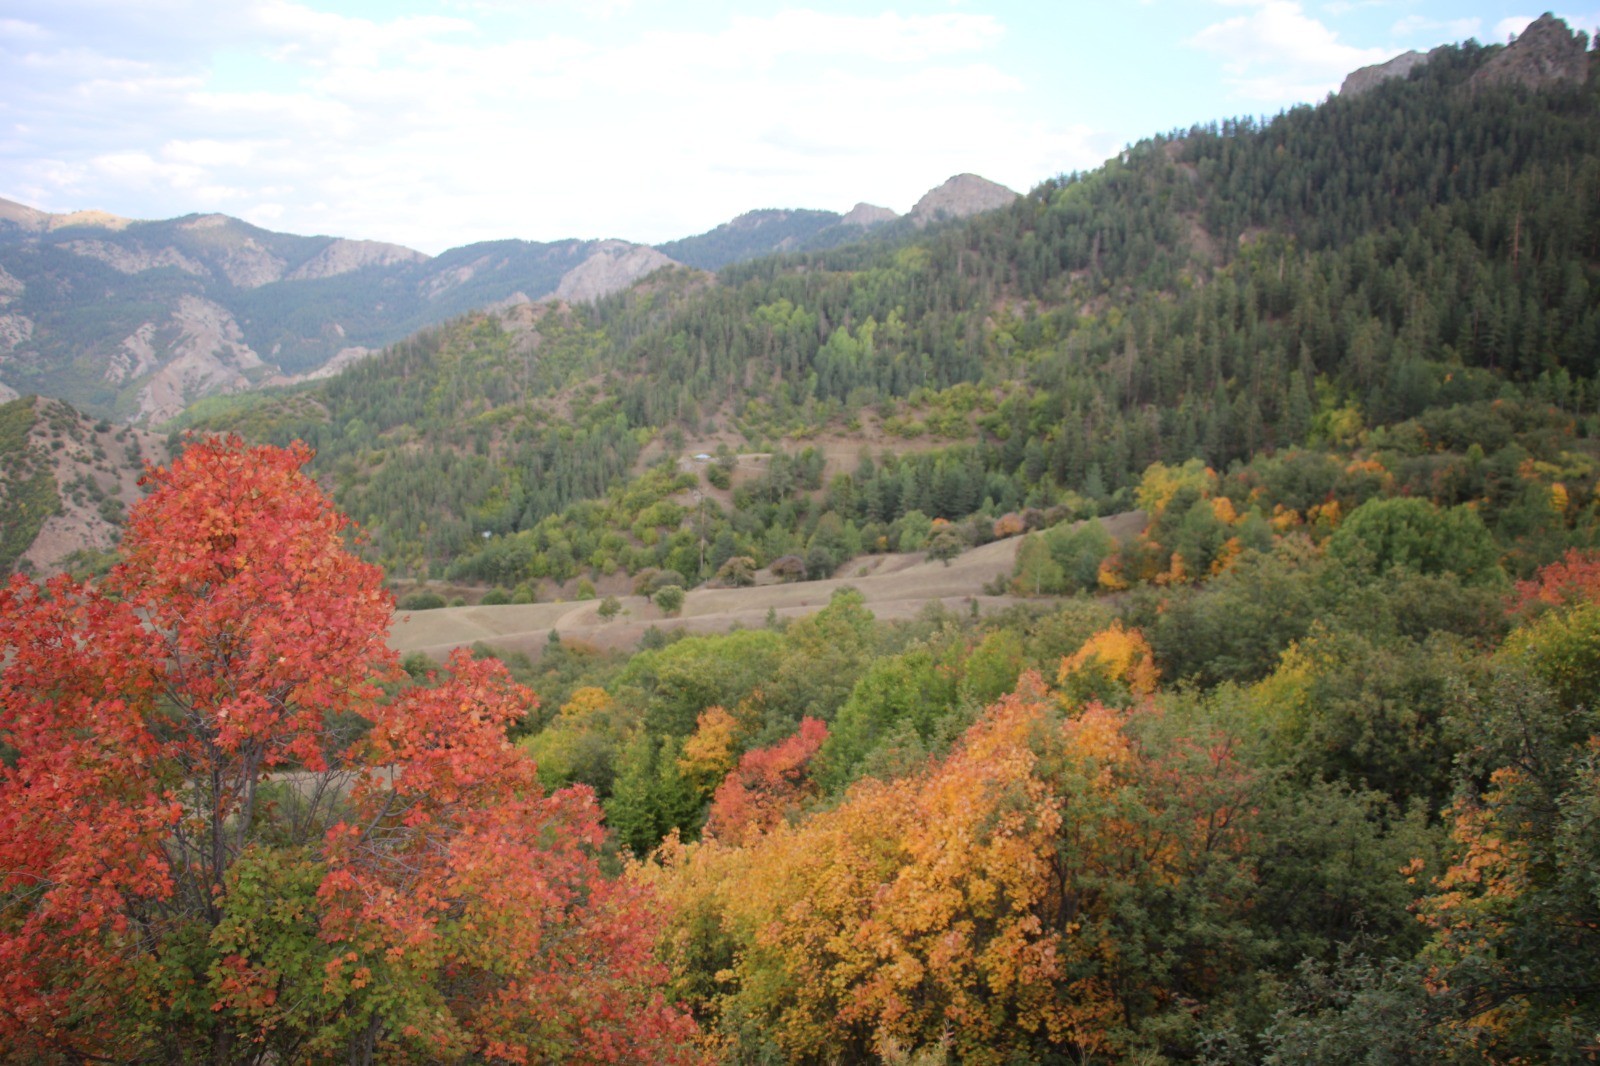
(218, 839)
(768, 784)
(988, 906)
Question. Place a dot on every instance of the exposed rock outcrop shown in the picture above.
(961, 196)
(15, 330)
(135, 259)
(209, 357)
(96, 467)
(241, 258)
(342, 257)
(135, 356)
(1368, 78)
(867, 215)
(1548, 53)
(344, 357)
(611, 267)
(446, 280)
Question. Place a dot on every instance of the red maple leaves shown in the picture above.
(216, 833)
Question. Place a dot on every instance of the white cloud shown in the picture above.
(210, 153)
(1508, 28)
(20, 30)
(430, 131)
(1278, 54)
(1414, 26)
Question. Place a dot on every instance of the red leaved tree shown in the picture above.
(768, 784)
(218, 839)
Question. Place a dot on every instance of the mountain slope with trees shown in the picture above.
(1411, 270)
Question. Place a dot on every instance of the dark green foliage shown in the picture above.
(1361, 1011)
(669, 598)
(1416, 536)
(1234, 627)
(421, 601)
(1331, 864)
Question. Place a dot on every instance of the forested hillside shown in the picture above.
(1399, 276)
(1302, 765)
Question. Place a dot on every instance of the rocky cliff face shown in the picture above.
(202, 353)
(134, 258)
(611, 267)
(1548, 53)
(961, 196)
(342, 256)
(1368, 78)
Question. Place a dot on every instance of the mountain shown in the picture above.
(774, 232)
(962, 196)
(1547, 53)
(136, 320)
(752, 234)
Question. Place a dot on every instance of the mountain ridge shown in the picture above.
(207, 304)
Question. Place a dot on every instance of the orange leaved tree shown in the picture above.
(220, 840)
(1055, 883)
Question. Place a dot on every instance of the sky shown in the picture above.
(436, 123)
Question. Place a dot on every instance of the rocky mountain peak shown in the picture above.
(867, 215)
(962, 195)
(1548, 53)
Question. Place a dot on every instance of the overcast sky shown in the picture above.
(434, 123)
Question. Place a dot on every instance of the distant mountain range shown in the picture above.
(136, 320)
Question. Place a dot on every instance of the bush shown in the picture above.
(788, 568)
(495, 597)
(739, 571)
(422, 601)
(946, 544)
(670, 598)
